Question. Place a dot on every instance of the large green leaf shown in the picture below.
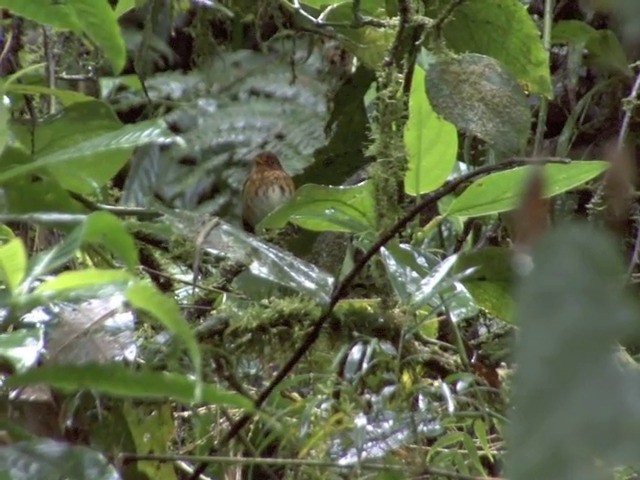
(72, 283)
(501, 29)
(13, 263)
(474, 93)
(120, 381)
(95, 18)
(84, 146)
(33, 193)
(431, 142)
(99, 228)
(147, 298)
(325, 208)
(502, 191)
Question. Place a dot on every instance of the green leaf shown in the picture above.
(33, 193)
(85, 145)
(72, 282)
(124, 6)
(324, 208)
(489, 279)
(603, 47)
(66, 97)
(573, 32)
(94, 18)
(13, 263)
(120, 381)
(431, 142)
(502, 29)
(147, 298)
(5, 115)
(605, 52)
(502, 191)
(406, 267)
(474, 93)
(101, 228)
(108, 230)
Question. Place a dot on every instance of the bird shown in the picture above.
(267, 187)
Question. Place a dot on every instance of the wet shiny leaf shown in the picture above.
(326, 208)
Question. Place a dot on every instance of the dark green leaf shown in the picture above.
(85, 145)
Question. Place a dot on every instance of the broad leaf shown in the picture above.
(431, 142)
(482, 26)
(73, 283)
(474, 93)
(85, 145)
(502, 191)
(325, 208)
(99, 228)
(13, 263)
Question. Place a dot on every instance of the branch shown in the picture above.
(341, 288)
(439, 22)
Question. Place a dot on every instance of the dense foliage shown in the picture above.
(448, 293)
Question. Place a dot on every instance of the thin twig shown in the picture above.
(544, 102)
(405, 11)
(191, 284)
(341, 288)
(7, 46)
(439, 22)
(629, 104)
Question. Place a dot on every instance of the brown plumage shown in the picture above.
(267, 187)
